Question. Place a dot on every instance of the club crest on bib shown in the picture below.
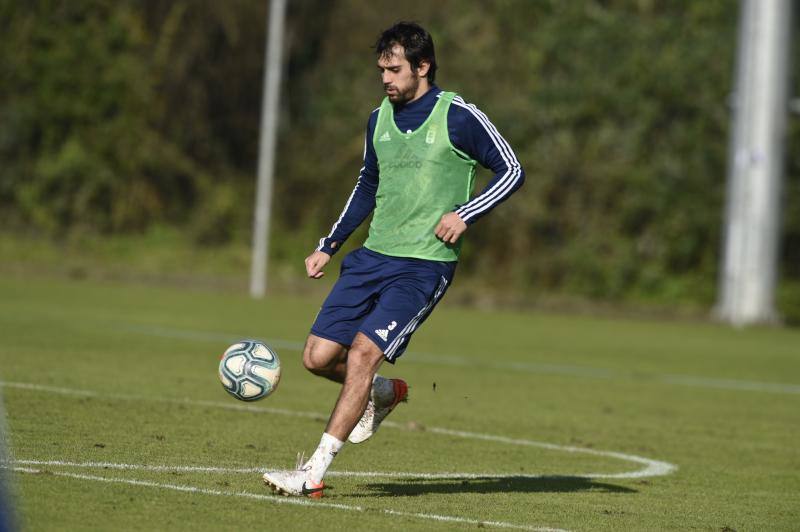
(430, 138)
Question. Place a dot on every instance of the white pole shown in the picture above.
(761, 105)
(266, 153)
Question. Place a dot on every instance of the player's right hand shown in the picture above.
(315, 262)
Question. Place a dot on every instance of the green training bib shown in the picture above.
(421, 177)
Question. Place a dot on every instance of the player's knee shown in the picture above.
(318, 359)
(364, 359)
(312, 360)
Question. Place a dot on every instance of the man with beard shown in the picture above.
(421, 148)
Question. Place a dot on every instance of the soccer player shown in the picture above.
(421, 148)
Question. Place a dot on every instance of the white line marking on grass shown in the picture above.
(141, 467)
(652, 467)
(730, 384)
(418, 357)
(286, 500)
(344, 473)
(133, 397)
(51, 389)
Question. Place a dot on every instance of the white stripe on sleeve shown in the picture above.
(499, 191)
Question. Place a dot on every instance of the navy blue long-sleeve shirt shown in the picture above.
(470, 131)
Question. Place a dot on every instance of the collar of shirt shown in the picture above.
(410, 116)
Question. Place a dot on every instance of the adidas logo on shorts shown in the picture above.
(384, 333)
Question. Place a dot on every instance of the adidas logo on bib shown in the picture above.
(385, 137)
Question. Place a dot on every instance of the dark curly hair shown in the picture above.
(416, 42)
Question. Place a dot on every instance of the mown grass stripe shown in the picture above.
(287, 500)
(652, 467)
(418, 357)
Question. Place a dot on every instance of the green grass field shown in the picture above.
(516, 420)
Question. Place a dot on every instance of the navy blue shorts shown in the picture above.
(386, 298)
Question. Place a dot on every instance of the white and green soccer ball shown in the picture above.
(249, 370)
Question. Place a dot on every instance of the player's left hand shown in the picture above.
(450, 228)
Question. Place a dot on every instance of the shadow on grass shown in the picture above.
(547, 484)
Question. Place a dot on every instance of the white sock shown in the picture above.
(321, 460)
(382, 393)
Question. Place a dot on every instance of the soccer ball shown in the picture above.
(249, 370)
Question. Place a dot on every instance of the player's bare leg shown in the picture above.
(325, 358)
(365, 399)
(363, 360)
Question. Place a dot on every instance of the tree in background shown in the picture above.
(115, 116)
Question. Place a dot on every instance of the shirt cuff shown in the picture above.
(325, 246)
(468, 221)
